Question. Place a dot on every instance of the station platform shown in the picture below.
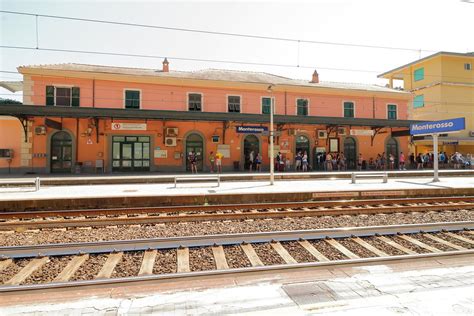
(243, 191)
(121, 178)
(442, 286)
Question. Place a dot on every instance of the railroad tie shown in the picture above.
(71, 268)
(444, 242)
(148, 262)
(397, 245)
(109, 265)
(219, 256)
(183, 260)
(313, 251)
(251, 255)
(369, 247)
(5, 263)
(420, 244)
(283, 252)
(466, 240)
(24, 273)
(342, 249)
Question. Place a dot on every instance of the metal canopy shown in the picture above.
(19, 110)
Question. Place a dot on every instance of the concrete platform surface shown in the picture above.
(231, 187)
(442, 286)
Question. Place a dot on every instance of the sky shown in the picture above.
(423, 26)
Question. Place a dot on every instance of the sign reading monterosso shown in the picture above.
(438, 127)
(251, 129)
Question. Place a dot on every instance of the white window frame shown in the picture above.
(124, 95)
(467, 66)
(187, 101)
(268, 97)
(62, 86)
(353, 102)
(234, 95)
(396, 112)
(296, 105)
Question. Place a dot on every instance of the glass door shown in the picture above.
(61, 153)
(130, 153)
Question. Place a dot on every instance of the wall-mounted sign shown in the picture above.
(129, 126)
(224, 150)
(159, 153)
(251, 129)
(89, 141)
(445, 126)
(362, 132)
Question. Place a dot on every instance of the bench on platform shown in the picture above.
(36, 181)
(378, 175)
(197, 178)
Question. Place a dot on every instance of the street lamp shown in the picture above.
(272, 161)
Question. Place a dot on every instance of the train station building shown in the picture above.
(89, 118)
(443, 88)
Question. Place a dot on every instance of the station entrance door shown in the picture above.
(350, 153)
(251, 143)
(194, 142)
(61, 153)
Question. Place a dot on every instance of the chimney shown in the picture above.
(166, 67)
(315, 77)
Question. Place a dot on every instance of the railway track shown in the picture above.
(14, 221)
(27, 268)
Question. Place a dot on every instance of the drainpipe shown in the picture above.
(373, 107)
(93, 93)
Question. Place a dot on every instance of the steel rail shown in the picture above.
(223, 239)
(156, 278)
(219, 207)
(183, 217)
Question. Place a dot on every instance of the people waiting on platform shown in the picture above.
(251, 160)
(401, 161)
(391, 160)
(329, 162)
(219, 157)
(212, 159)
(193, 161)
(298, 161)
(304, 162)
(360, 160)
(258, 162)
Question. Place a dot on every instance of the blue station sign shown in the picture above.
(437, 127)
(251, 129)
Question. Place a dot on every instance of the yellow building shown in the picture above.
(442, 85)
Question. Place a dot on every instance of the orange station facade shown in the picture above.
(86, 119)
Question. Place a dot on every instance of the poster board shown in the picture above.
(224, 150)
(161, 153)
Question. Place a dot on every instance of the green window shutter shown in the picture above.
(419, 101)
(266, 104)
(75, 96)
(419, 74)
(392, 112)
(49, 95)
(302, 107)
(132, 99)
(348, 109)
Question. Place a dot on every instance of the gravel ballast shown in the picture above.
(219, 227)
(201, 259)
(165, 262)
(236, 257)
(48, 271)
(89, 269)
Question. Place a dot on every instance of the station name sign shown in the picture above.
(251, 129)
(445, 126)
(129, 126)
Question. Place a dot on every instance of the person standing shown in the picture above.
(212, 161)
(304, 161)
(360, 160)
(251, 160)
(329, 162)
(391, 161)
(298, 161)
(193, 161)
(401, 161)
(258, 162)
(219, 157)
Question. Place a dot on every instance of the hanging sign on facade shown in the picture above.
(160, 153)
(362, 132)
(445, 126)
(129, 126)
(251, 129)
